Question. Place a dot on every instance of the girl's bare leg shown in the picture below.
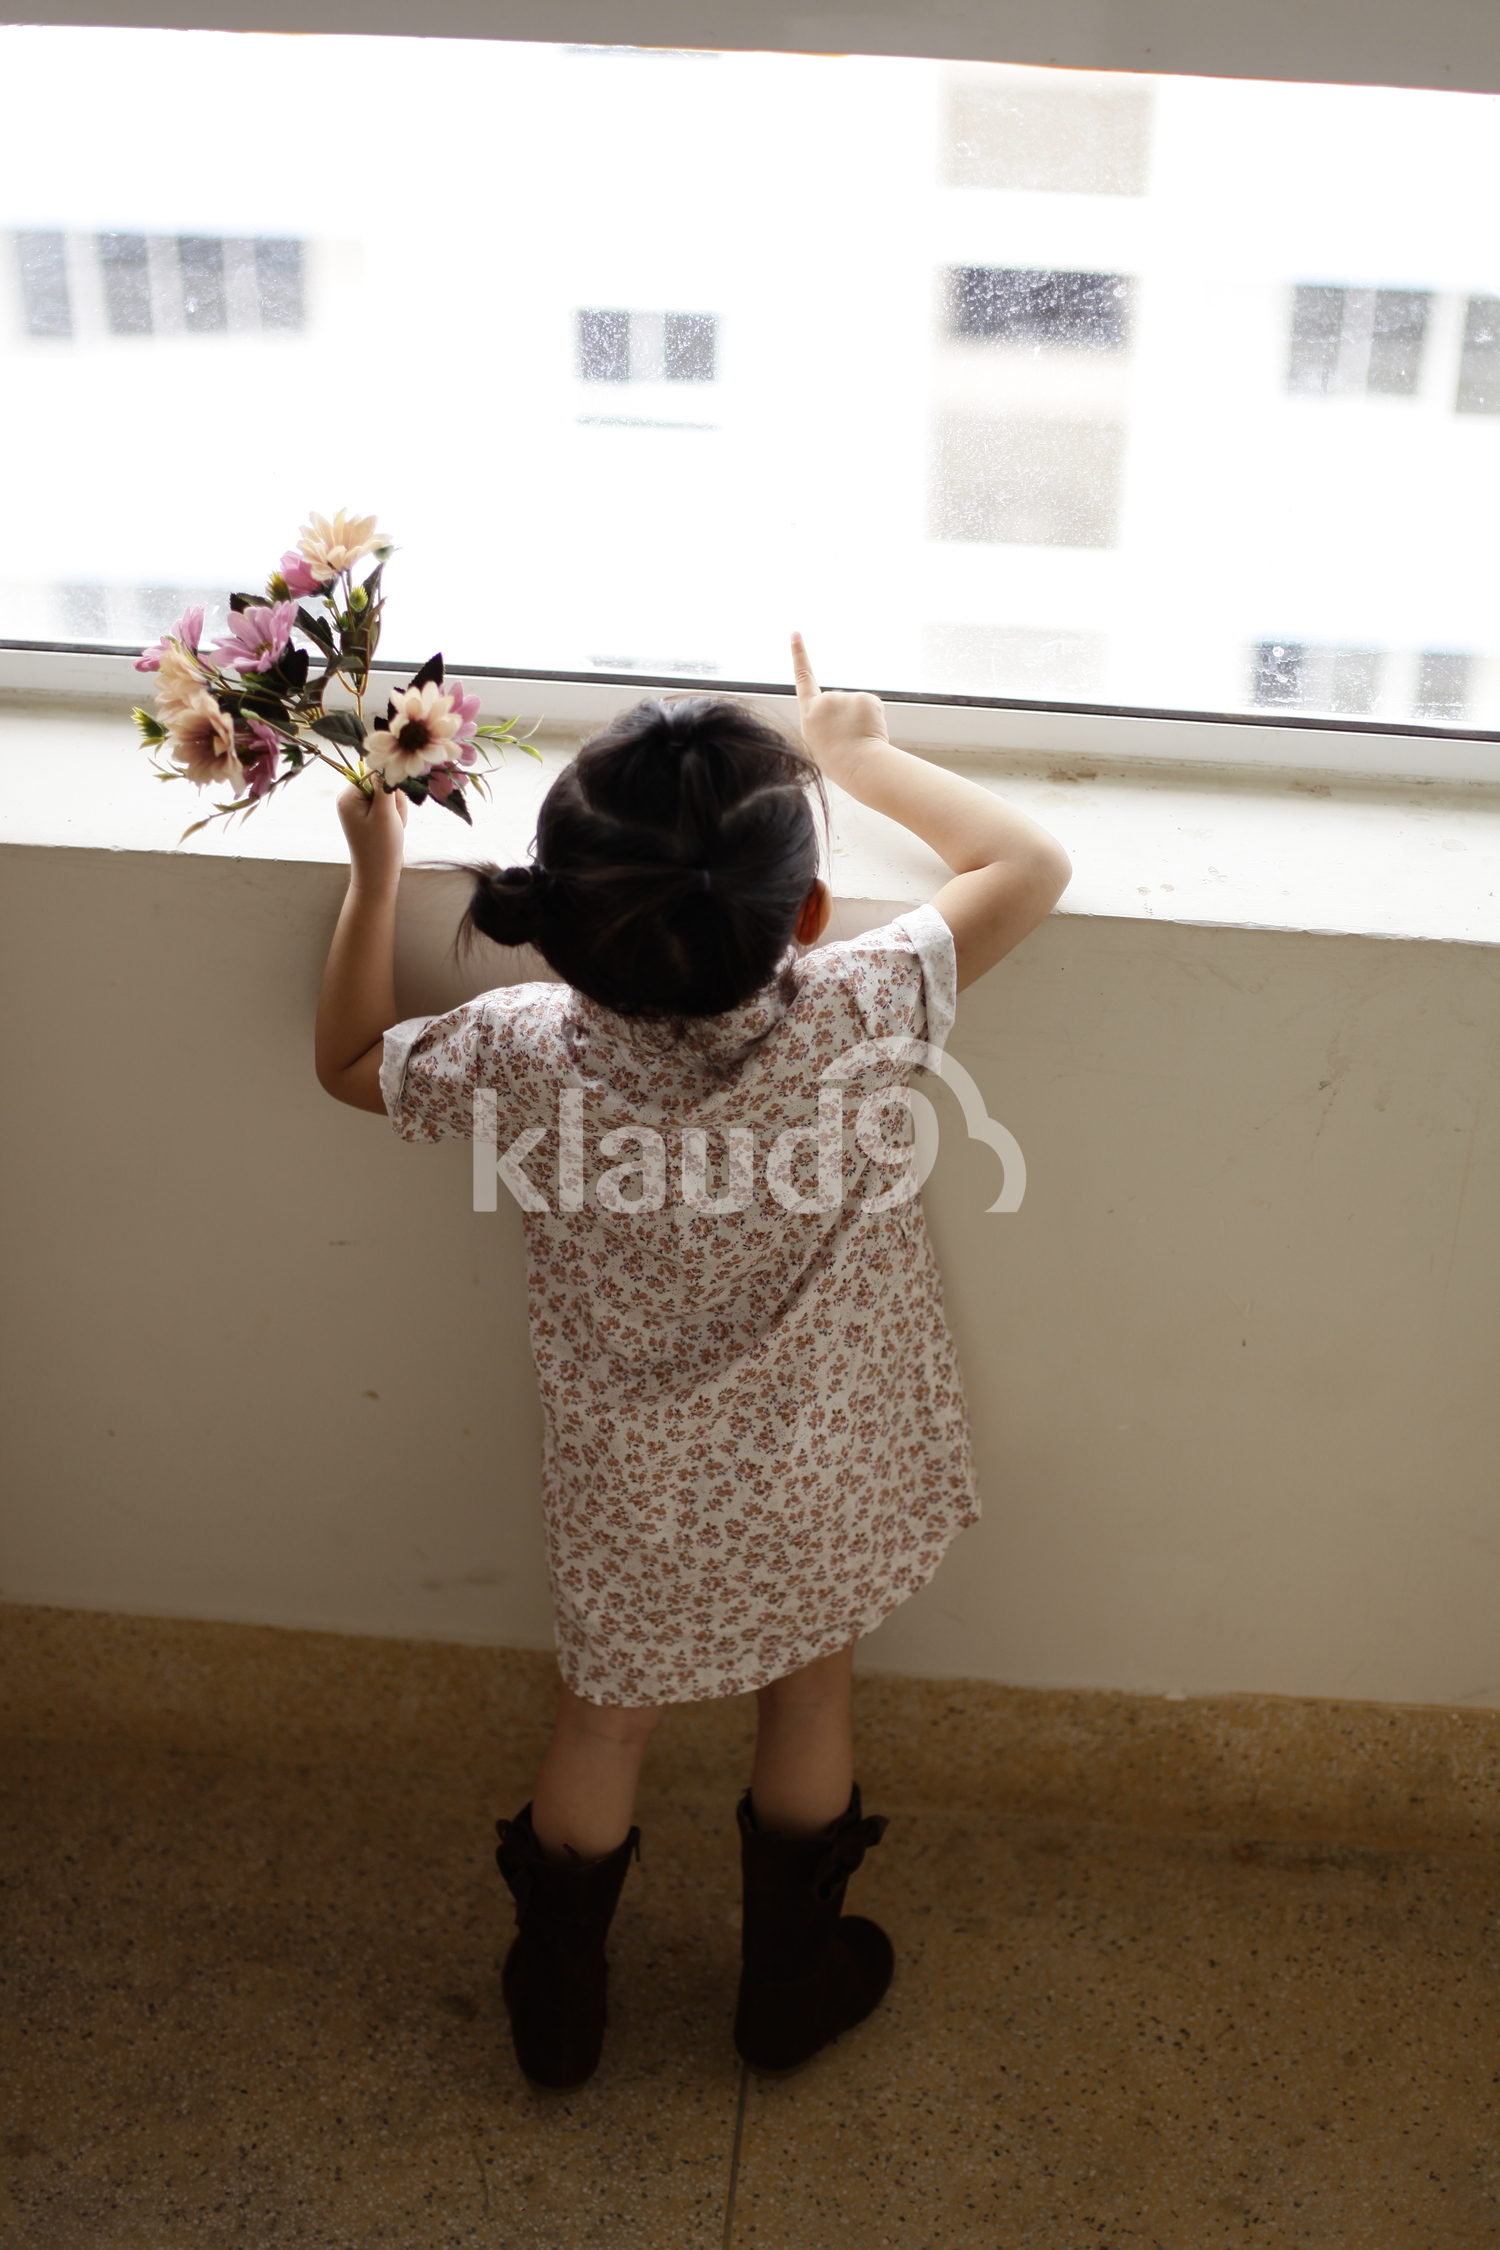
(804, 1750)
(585, 1792)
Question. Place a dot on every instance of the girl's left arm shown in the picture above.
(357, 1005)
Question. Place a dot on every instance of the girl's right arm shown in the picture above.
(357, 1005)
(1008, 872)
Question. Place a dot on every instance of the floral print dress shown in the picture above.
(755, 1437)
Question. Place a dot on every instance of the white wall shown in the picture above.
(1232, 1367)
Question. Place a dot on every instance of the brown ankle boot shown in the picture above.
(555, 1974)
(810, 1971)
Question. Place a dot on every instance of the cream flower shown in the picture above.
(179, 678)
(327, 548)
(423, 724)
(200, 739)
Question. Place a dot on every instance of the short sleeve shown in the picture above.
(903, 977)
(432, 1066)
(399, 1042)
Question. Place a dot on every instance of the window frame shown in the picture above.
(1279, 742)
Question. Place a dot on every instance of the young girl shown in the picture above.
(755, 1443)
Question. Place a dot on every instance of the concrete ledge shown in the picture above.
(1271, 1771)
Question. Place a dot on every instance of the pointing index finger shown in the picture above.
(802, 672)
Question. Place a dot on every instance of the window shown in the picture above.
(142, 285)
(1026, 483)
(1039, 384)
(647, 347)
(1060, 132)
(1030, 662)
(41, 259)
(1426, 685)
(1479, 367)
(1358, 340)
(1443, 681)
(125, 261)
(1006, 305)
(1339, 680)
(127, 613)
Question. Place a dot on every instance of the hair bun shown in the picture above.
(508, 904)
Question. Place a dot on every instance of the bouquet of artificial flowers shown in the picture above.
(248, 713)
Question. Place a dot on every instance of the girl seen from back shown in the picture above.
(755, 1439)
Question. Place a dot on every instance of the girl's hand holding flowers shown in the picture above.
(250, 714)
(372, 825)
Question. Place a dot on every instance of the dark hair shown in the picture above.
(672, 858)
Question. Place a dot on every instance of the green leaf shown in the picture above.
(237, 602)
(504, 738)
(151, 728)
(455, 804)
(340, 726)
(317, 631)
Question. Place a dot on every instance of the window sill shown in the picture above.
(1151, 841)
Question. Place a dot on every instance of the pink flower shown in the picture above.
(256, 637)
(298, 575)
(423, 728)
(260, 769)
(200, 737)
(466, 710)
(188, 630)
(179, 678)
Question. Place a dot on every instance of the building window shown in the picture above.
(1278, 674)
(689, 342)
(42, 263)
(152, 285)
(1357, 340)
(121, 616)
(1443, 679)
(647, 347)
(125, 265)
(1028, 662)
(1056, 131)
(604, 347)
(1479, 366)
(1017, 305)
(1026, 482)
(1300, 675)
(201, 260)
(278, 282)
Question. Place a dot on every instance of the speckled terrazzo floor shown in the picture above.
(1170, 1975)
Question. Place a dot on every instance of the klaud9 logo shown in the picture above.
(801, 1170)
